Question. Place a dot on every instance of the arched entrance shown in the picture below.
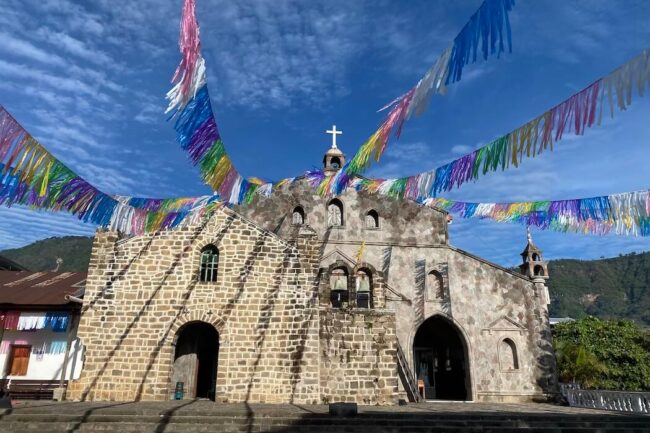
(440, 356)
(195, 360)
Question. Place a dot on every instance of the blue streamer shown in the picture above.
(486, 24)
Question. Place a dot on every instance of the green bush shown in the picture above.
(603, 354)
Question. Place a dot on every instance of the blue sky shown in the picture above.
(88, 79)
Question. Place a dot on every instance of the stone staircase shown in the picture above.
(200, 416)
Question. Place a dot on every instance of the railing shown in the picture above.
(407, 376)
(624, 401)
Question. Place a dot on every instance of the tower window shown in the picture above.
(335, 162)
(339, 287)
(209, 264)
(538, 271)
(298, 216)
(372, 219)
(364, 288)
(335, 213)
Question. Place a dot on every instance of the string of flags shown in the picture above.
(197, 130)
(195, 124)
(577, 113)
(32, 176)
(626, 213)
(487, 26)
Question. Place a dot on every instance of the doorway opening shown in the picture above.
(440, 356)
(196, 360)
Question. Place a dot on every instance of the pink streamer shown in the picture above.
(190, 46)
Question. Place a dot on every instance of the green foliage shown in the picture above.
(618, 352)
(42, 255)
(615, 288)
(577, 364)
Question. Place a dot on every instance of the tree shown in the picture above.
(577, 364)
(604, 354)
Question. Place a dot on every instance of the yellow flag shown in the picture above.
(362, 249)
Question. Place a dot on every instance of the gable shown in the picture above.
(504, 323)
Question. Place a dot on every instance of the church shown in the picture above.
(299, 298)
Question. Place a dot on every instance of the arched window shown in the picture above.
(209, 264)
(435, 286)
(535, 257)
(335, 213)
(298, 216)
(363, 285)
(508, 355)
(335, 162)
(372, 219)
(339, 287)
(538, 271)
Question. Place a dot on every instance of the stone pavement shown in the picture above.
(207, 417)
(189, 407)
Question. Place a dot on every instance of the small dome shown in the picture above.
(334, 151)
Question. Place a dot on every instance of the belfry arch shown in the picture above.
(441, 360)
(196, 359)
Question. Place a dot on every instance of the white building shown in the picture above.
(39, 348)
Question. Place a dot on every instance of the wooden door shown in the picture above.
(19, 360)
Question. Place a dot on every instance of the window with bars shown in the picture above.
(209, 264)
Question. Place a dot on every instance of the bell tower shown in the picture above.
(533, 266)
(334, 159)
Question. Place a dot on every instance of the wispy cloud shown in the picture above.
(36, 225)
(25, 49)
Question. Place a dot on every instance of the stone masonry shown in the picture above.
(281, 338)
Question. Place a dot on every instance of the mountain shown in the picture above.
(42, 255)
(614, 288)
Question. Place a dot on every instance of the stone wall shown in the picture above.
(485, 302)
(279, 339)
(403, 222)
(358, 356)
(141, 290)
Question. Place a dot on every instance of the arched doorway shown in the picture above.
(195, 360)
(440, 356)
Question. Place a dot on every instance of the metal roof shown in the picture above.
(40, 288)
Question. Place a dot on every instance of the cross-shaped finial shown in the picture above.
(334, 133)
(528, 235)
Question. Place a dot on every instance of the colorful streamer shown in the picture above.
(624, 214)
(483, 30)
(579, 112)
(32, 176)
(198, 134)
(196, 127)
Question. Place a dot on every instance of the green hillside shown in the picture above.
(613, 288)
(42, 255)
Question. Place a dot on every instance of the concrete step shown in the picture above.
(279, 428)
(203, 417)
(49, 423)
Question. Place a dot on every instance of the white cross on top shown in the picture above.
(334, 133)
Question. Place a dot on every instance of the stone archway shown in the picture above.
(196, 359)
(441, 360)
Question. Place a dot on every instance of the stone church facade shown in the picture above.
(298, 298)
